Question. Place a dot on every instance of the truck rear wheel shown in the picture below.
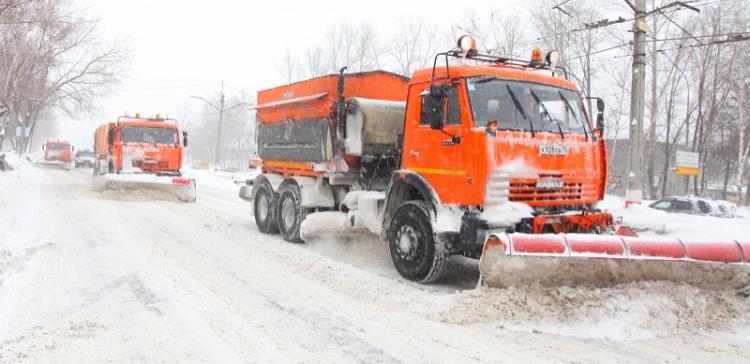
(415, 252)
(290, 212)
(264, 207)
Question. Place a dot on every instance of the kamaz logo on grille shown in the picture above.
(547, 149)
(549, 184)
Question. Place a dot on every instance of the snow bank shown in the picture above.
(22, 230)
(651, 222)
(21, 213)
(625, 312)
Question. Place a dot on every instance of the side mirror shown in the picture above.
(184, 139)
(43, 146)
(435, 102)
(111, 137)
(599, 128)
(600, 116)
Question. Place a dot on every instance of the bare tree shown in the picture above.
(414, 45)
(51, 58)
(289, 67)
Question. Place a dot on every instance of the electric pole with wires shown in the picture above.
(634, 185)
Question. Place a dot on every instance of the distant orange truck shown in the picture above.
(58, 152)
(142, 152)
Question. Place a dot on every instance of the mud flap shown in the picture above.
(601, 260)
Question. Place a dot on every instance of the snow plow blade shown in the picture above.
(181, 187)
(53, 164)
(579, 259)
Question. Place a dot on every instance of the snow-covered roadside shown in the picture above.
(21, 213)
(22, 229)
(650, 222)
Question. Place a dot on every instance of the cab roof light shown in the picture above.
(468, 46)
(536, 57)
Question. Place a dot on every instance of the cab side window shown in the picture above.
(453, 115)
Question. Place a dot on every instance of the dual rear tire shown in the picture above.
(416, 251)
(280, 212)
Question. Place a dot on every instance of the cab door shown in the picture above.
(436, 154)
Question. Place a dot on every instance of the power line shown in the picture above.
(681, 27)
(698, 36)
(731, 39)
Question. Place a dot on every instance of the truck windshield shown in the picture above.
(526, 106)
(57, 147)
(147, 135)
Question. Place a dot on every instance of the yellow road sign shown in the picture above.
(686, 171)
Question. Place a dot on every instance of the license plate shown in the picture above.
(549, 184)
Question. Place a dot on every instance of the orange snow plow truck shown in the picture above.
(57, 152)
(482, 156)
(137, 152)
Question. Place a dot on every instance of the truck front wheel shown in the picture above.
(290, 212)
(264, 207)
(416, 253)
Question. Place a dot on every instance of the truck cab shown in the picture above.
(137, 145)
(482, 136)
(58, 152)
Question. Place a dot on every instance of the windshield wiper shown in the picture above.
(539, 101)
(484, 79)
(520, 109)
(572, 111)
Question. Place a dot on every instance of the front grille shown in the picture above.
(501, 187)
(527, 191)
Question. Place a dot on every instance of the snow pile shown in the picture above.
(625, 312)
(15, 161)
(651, 222)
(21, 213)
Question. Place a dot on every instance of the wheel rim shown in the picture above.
(408, 243)
(288, 212)
(263, 206)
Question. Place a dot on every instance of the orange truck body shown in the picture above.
(454, 144)
(458, 173)
(56, 150)
(155, 146)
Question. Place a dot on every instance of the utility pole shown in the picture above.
(217, 151)
(221, 109)
(633, 192)
(653, 115)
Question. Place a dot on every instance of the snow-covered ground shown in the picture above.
(91, 276)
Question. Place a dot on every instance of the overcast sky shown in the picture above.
(187, 47)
